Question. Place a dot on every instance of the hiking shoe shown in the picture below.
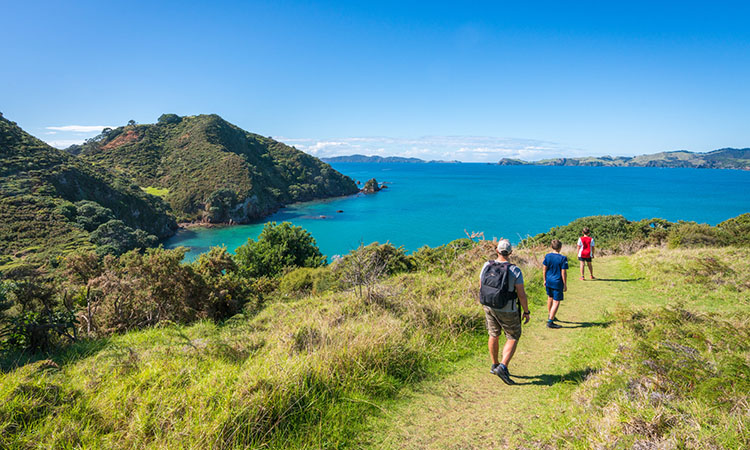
(504, 375)
(493, 369)
(552, 324)
(583, 279)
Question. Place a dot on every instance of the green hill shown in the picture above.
(210, 170)
(725, 158)
(51, 202)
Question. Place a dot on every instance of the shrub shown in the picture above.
(737, 230)
(298, 281)
(114, 237)
(689, 234)
(439, 258)
(279, 246)
(32, 316)
(166, 119)
(90, 215)
(608, 232)
(225, 290)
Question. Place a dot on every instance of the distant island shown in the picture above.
(379, 159)
(725, 158)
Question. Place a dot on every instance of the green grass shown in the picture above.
(300, 373)
(157, 191)
(643, 363)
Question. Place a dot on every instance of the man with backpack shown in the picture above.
(501, 290)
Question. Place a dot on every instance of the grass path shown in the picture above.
(470, 408)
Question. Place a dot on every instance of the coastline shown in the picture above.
(210, 225)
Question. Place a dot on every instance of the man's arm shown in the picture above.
(544, 275)
(565, 279)
(524, 302)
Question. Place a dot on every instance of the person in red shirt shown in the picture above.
(585, 248)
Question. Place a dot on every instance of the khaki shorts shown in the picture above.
(509, 322)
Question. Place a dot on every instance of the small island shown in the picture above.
(725, 158)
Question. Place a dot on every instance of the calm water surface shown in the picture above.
(431, 204)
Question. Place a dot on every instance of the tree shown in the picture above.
(279, 246)
(114, 237)
(362, 268)
(80, 269)
(167, 119)
(90, 215)
(34, 317)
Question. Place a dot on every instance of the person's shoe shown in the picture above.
(583, 279)
(593, 277)
(552, 324)
(502, 372)
(493, 369)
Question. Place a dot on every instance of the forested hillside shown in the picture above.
(210, 170)
(52, 202)
(724, 158)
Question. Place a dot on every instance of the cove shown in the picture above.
(432, 204)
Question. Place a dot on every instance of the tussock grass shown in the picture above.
(712, 278)
(680, 376)
(680, 379)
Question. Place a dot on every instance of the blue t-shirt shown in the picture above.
(555, 263)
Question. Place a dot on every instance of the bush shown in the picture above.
(298, 281)
(114, 237)
(90, 215)
(225, 290)
(166, 119)
(439, 258)
(32, 316)
(689, 234)
(737, 230)
(307, 280)
(279, 246)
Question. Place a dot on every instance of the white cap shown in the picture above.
(504, 246)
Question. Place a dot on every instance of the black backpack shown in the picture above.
(495, 291)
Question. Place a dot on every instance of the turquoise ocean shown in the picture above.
(432, 204)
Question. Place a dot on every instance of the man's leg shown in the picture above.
(508, 350)
(583, 274)
(493, 345)
(591, 270)
(549, 304)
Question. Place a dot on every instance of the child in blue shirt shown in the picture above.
(555, 274)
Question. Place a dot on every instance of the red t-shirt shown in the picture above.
(584, 246)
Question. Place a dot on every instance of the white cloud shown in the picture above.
(80, 128)
(462, 148)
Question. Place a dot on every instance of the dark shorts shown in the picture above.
(556, 294)
(584, 259)
(508, 322)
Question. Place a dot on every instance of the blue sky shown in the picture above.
(474, 81)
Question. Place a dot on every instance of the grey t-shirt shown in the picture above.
(516, 278)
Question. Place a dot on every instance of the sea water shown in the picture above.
(432, 204)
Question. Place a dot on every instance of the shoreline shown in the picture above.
(209, 225)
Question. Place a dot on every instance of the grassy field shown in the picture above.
(157, 191)
(641, 363)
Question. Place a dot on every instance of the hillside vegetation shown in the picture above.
(725, 158)
(210, 170)
(287, 352)
(52, 203)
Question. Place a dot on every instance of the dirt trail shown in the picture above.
(473, 409)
